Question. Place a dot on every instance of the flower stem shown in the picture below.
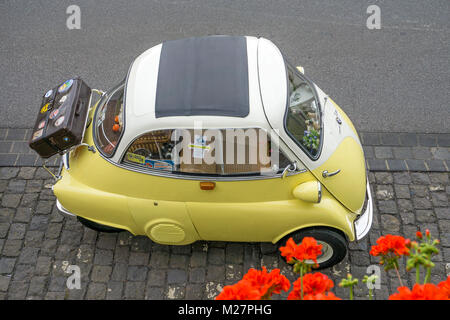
(417, 274)
(370, 294)
(351, 292)
(301, 283)
(398, 275)
(427, 276)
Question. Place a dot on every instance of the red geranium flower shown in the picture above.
(267, 283)
(289, 250)
(390, 244)
(408, 243)
(243, 290)
(426, 291)
(444, 286)
(256, 285)
(307, 250)
(321, 296)
(313, 284)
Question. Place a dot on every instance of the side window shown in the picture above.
(152, 150)
(109, 121)
(224, 152)
(303, 114)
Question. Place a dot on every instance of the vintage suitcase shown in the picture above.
(61, 119)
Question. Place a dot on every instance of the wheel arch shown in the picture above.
(286, 234)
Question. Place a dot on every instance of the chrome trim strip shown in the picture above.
(65, 160)
(165, 174)
(319, 186)
(364, 222)
(63, 210)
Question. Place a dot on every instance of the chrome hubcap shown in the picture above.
(327, 253)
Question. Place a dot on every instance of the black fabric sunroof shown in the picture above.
(203, 76)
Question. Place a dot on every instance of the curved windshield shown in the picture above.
(303, 121)
(109, 121)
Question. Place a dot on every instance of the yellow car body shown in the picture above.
(177, 211)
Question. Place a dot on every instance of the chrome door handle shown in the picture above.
(288, 169)
(327, 174)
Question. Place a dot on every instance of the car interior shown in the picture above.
(191, 155)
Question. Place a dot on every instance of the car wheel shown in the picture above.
(97, 226)
(334, 244)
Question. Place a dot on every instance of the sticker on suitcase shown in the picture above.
(65, 86)
(37, 134)
(59, 121)
(49, 93)
(45, 108)
(53, 114)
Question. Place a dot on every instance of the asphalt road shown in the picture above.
(393, 79)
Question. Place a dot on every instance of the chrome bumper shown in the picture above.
(62, 209)
(64, 162)
(364, 222)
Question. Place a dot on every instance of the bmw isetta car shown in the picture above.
(163, 152)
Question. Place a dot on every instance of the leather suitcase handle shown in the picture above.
(79, 107)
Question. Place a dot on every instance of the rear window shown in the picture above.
(109, 121)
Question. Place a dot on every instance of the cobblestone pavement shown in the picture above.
(37, 244)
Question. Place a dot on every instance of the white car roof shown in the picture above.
(148, 109)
